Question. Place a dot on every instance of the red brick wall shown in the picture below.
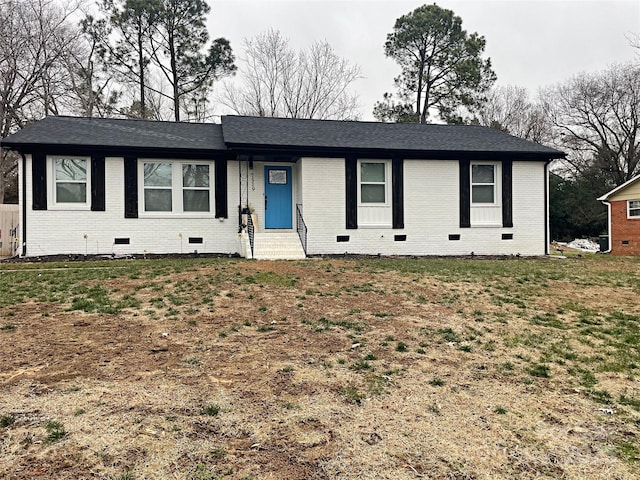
(624, 230)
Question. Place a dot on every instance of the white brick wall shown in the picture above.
(431, 213)
(62, 231)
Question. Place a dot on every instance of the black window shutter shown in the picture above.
(351, 180)
(130, 187)
(97, 183)
(397, 192)
(39, 181)
(507, 193)
(221, 189)
(465, 194)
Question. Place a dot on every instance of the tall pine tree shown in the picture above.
(442, 67)
(179, 51)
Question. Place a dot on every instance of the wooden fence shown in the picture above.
(8, 230)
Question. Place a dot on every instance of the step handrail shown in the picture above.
(301, 227)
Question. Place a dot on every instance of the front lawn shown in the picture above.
(321, 369)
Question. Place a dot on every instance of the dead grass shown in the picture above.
(322, 369)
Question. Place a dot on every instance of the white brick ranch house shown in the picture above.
(104, 186)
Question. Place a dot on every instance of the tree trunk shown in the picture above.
(174, 77)
(143, 107)
(2, 189)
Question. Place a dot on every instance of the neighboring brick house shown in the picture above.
(623, 204)
(103, 186)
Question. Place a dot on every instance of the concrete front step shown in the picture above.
(277, 246)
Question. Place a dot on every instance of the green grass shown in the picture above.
(351, 394)
(124, 476)
(539, 370)
(361, 365)
(271, 278)
(7, 420)
(436, 382)
(55, 431)
(211, 409)
(323, 324)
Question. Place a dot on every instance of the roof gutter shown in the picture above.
(120, 151)
(368, 152)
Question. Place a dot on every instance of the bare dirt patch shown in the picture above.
(321, 369)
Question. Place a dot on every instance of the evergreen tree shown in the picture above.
(442, 67)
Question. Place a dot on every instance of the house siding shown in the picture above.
(431, 217)
(625, 232)
(631, 192)
(62, 231)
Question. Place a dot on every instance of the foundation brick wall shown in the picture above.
(625, 232)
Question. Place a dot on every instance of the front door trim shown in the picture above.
(278, 197)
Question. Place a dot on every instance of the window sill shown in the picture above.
(70, 208)
(384, 226)
(207, 215)
(487, 225)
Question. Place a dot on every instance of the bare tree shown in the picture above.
(276, 81)
(596, 118)
(93, 89)
(508, 108)
(123, 36)
(34, 38)
(634, 41)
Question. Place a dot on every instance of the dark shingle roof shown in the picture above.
(112, 132)
(290, 136)
(282, 132)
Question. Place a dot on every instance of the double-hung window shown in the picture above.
(483, 183)
(373, 182)
(633, 208)
(486, 198)
(374, 193)
(71, 177)
(195, 188)
(176, 186)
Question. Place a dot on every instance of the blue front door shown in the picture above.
(277, 197)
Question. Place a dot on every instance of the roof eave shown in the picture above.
(618, 189)
(119, 150)
(338, 152)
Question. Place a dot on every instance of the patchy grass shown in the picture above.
(353, 369)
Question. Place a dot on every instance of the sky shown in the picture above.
(531, 43)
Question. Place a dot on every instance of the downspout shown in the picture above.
(610, 240)
(239, 195)
(24, 205)
(546, 206)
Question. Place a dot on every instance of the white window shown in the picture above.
(172, 186)
(71, 177)
(373, 182)
(374, 193)
(483, 183)
(196, 196)
(633, 208)
(486, 200)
